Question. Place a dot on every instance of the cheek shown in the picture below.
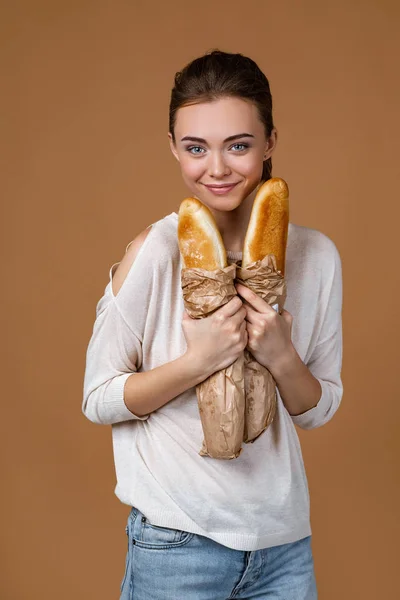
(251, 165)
(191, 169)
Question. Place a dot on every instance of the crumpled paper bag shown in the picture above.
(263, 278)
(221, 396)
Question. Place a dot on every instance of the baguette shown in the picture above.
(207, 284)
(200, 241)
(267, 230)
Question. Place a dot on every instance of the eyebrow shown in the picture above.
(189, 138)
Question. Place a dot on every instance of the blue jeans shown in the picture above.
(168, 564)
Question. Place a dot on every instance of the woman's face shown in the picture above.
(221, 146)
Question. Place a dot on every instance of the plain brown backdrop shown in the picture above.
(86, 166)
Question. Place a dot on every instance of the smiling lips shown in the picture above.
(220, 190)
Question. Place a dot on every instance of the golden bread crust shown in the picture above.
(200, 241)
(267, 230)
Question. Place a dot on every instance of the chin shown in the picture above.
(225, 206)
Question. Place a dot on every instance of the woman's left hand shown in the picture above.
(269, 333)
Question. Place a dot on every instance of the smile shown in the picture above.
(220, 190)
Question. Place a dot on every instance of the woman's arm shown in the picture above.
(299, 389)
(148, 391)
(312, 392)
(125, 394)
(113, 389)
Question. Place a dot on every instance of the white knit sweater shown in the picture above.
(261, 498)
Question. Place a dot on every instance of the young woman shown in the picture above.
(201, 528)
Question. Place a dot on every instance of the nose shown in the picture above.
(217, 166)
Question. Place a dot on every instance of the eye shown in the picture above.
(194, 148)
(241, 147)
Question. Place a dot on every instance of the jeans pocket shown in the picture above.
(147, 535)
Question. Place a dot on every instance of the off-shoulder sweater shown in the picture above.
(261, 498)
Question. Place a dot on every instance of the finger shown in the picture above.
(231, 307)
(253, 300)
(239, 316)
(252, 316)
(288, 317)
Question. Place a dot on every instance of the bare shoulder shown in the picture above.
(127, 260)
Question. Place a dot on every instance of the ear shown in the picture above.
(172, 146)
(271, 144)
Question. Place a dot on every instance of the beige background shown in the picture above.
(86, 166)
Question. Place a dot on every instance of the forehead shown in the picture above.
(218, 119)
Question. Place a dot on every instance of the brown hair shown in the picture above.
(219, 74)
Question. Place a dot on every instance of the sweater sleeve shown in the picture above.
(325, 362)
(113, 354)
(114, 351)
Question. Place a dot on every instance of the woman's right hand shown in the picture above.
(215, 342)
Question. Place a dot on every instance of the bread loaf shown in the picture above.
(200, 241)
(268, 225)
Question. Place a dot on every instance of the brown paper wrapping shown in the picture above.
(263, 278)
(220, 396)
